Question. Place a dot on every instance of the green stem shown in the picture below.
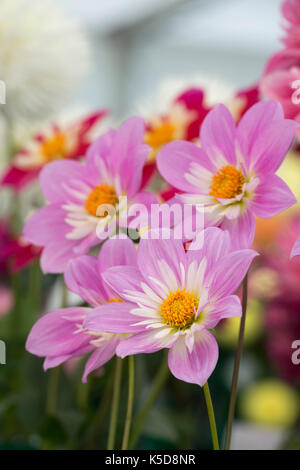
(238, 356)
(100, 415)
(115, 405)
(130, 402)
(52, 391)
(157, 385)
(53, 384)
(211, 417)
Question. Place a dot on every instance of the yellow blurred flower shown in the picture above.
(268, 229)
(271, 403)
(227, 333)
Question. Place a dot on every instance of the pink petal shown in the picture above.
(196, 366)
(174, 161)
(223, 308)
(144, 342)
(114, 317)
(54, 361)
(117, 252)
(122, 279)
(264, 137)
(296, 248)
(56, 175)
(46, 225)
(271, 197)
(160, 259)
(83, 278)
(217, 134)
(129, 154)
(100, 356)
(56, 255)
(241, 229)
(228, 274)
(98, 161)
(54, 333)
(216, 244)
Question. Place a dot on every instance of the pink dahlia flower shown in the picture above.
(291, 11)
(232, 175)
(71, 224)
(56, 142)
(60, 335)
(179, 297)
(184, 118)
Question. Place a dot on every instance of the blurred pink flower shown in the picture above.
(67, 141)
(15, 253)
(291, 12)
(176, 299)
(233, 175)
(6, 300)
(70, 225)
(60, 335)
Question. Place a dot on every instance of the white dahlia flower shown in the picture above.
(43, 58)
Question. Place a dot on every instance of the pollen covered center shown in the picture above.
(227, 183)
(100, 195)
(54, 148)
(179, 308)
(160, 134)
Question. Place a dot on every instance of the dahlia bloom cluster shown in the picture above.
(162, 296)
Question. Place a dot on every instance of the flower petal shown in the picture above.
(217, 136)
(228, 274)
(83, 278)
(175, 161)
(122, 279)
(271, 197)
(160, 260)
(53, 334)
(100, 356)
(264, 137)
(196, 366)
(114, 317)
(129, 154)
(241, 229)
(216, 244)
(56, 255)
(148, 341)
(296, 248)
(46, 225)
(223, 308)
(55, 176)
(117, 252)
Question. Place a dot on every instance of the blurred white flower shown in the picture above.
(43, 58)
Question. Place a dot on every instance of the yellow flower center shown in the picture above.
(115, 299)
(179, 308)
(100, 195)
(227, 183)
(160, 134)
(54, 148)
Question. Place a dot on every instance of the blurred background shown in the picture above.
(137, 45)
(142, 53)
